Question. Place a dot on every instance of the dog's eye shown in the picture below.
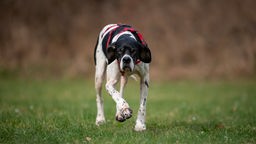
(121, 50)
(133, 52)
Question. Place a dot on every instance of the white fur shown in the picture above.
(113, 76)
(107, 29)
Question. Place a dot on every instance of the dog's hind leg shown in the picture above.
(99, 78)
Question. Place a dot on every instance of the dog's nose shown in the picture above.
(126, 60)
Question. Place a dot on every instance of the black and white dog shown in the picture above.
(121, 52)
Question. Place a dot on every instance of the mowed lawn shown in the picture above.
(63, 111)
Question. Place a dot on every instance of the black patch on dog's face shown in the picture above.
(118, 49)
(127, 49)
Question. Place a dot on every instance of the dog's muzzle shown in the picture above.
(127, 64)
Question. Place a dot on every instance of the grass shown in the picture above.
(63, 111)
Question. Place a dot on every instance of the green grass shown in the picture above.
(63, 111)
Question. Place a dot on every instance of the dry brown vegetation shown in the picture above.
(189, 39)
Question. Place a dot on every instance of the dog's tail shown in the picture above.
(134, 77)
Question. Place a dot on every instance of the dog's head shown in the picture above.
(127, 54)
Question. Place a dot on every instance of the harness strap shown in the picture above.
(136, 33)
(114, 25)
(110, 35)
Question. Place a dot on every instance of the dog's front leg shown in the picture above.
(140, 122)
(123, 110)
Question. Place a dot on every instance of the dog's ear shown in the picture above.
(111, 53)
(145, 54)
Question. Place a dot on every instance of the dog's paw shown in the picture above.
(124, 114)
(140, 126)
(100, 121)
(120, 118)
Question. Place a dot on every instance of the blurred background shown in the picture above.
(189, 39)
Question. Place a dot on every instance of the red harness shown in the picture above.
(132, 30)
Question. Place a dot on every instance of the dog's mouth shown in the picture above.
(127, 68)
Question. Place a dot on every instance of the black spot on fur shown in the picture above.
(144, 101)
(146, 83)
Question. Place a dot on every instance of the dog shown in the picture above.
(120, 52)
